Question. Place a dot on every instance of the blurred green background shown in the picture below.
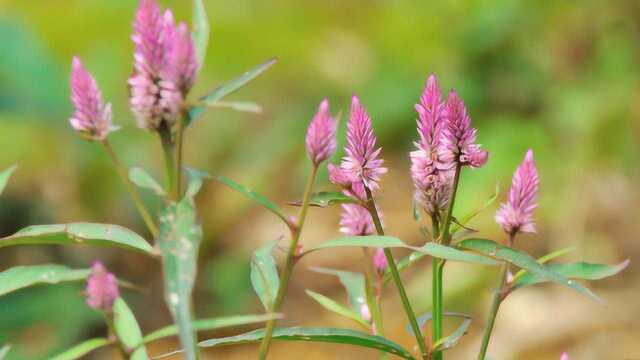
(561, 77)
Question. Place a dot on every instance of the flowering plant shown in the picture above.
(167, 59)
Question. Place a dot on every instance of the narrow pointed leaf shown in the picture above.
(352, 282)
(201, 31)
(524, 261)
(179, 240)
(326, 198)
(328, 335)
(337, 308)
(450, 341)
(194, 180)
(450, 253)
(275, 209)
(78, 234)
(264, 275)
(468, 217)
(546, 258)
(144, 180)
(577, 270)
(243, 106)
(426, 317)
(82, 349)
(5, 175)
(128, 330)
(20, 277)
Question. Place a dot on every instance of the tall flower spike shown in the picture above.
(321, 135)
(516, 215)
(91, 117)
(164, 66)
(362, 158)
(430, 179)
(102, 288)
(459, 138)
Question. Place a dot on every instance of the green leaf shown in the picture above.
(328, 335)
(326, 198)
(5, 175)
(225, 89)
(179, 240)
(79, 233)
(524, 261)
(578, 270)
(210, 324)
(468, 217)
(201, 31)
(20, 277)
(128, 330)
(426, 317)
(144, 180)
(335, 307)
(264, 275)
(194, 180)
(275, 209)
(243, 106)
(82, 349)
(544, 259)
(450, 253)
(4, 351)
(450, 341)
(352, 282)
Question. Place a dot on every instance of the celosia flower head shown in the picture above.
(102, 288)
(355, 220)
(362, 160)
(459, 138)
(164, 66)
(431, 179)
(516, 215)
(321, 135)
(380, 261)
(91, 117)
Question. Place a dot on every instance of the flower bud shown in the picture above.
(321, 135)
(102, 288)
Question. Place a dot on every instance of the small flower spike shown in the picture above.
(165, 66)
(102, 288)
(380, 261)
(516, 215)
(321, 135)
(459, 138)
(355, 220)
(91, 117)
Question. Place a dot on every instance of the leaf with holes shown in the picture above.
(327, 335)
(82, 349)
(337, 308)
(264, 275)
(577, 270)
(179, 240)
(127, 330)
(275, 209)
(143, 179)
(77, 234)
(523, 260)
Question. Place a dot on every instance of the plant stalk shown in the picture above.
(179, 151)
(396, 277)
(169, 151)
(292, 258)
(135, 196)
(437, 295)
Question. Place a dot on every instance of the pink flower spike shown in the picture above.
(91, 117)
(564, 356)
(516, 215)
(459, 138)
(355, 220)
(102, 288)
(339, 177)
(380, 261)
(321, 135)
(362, 160)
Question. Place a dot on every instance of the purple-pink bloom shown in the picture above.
(102, 288)
(431, 179)
(380, 261)
(459, 138)
(355, 220)
(362, 158)
(564, 356)
(321, 135)
(165, 66)
(91, 117)
(516, 215)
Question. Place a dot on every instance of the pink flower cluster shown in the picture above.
(102, 288)
(165, 66)
(321, 135)
(446, 140)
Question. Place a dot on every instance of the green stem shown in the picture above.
(169, 151)
(292, 257)
(396, 277)
(498, 297)
(135, 196)
(113, 336)
(446, 236)
(179, 148)
(437, 308)
(372, 291)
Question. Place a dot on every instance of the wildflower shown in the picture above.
(165, 66)
(459, 138)
(380, 261)
(355, 220)
(516, 215)
(91, 117)
(102, 288)
(432, 180)
(321, 135)
(338, 176)
(564, 356)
